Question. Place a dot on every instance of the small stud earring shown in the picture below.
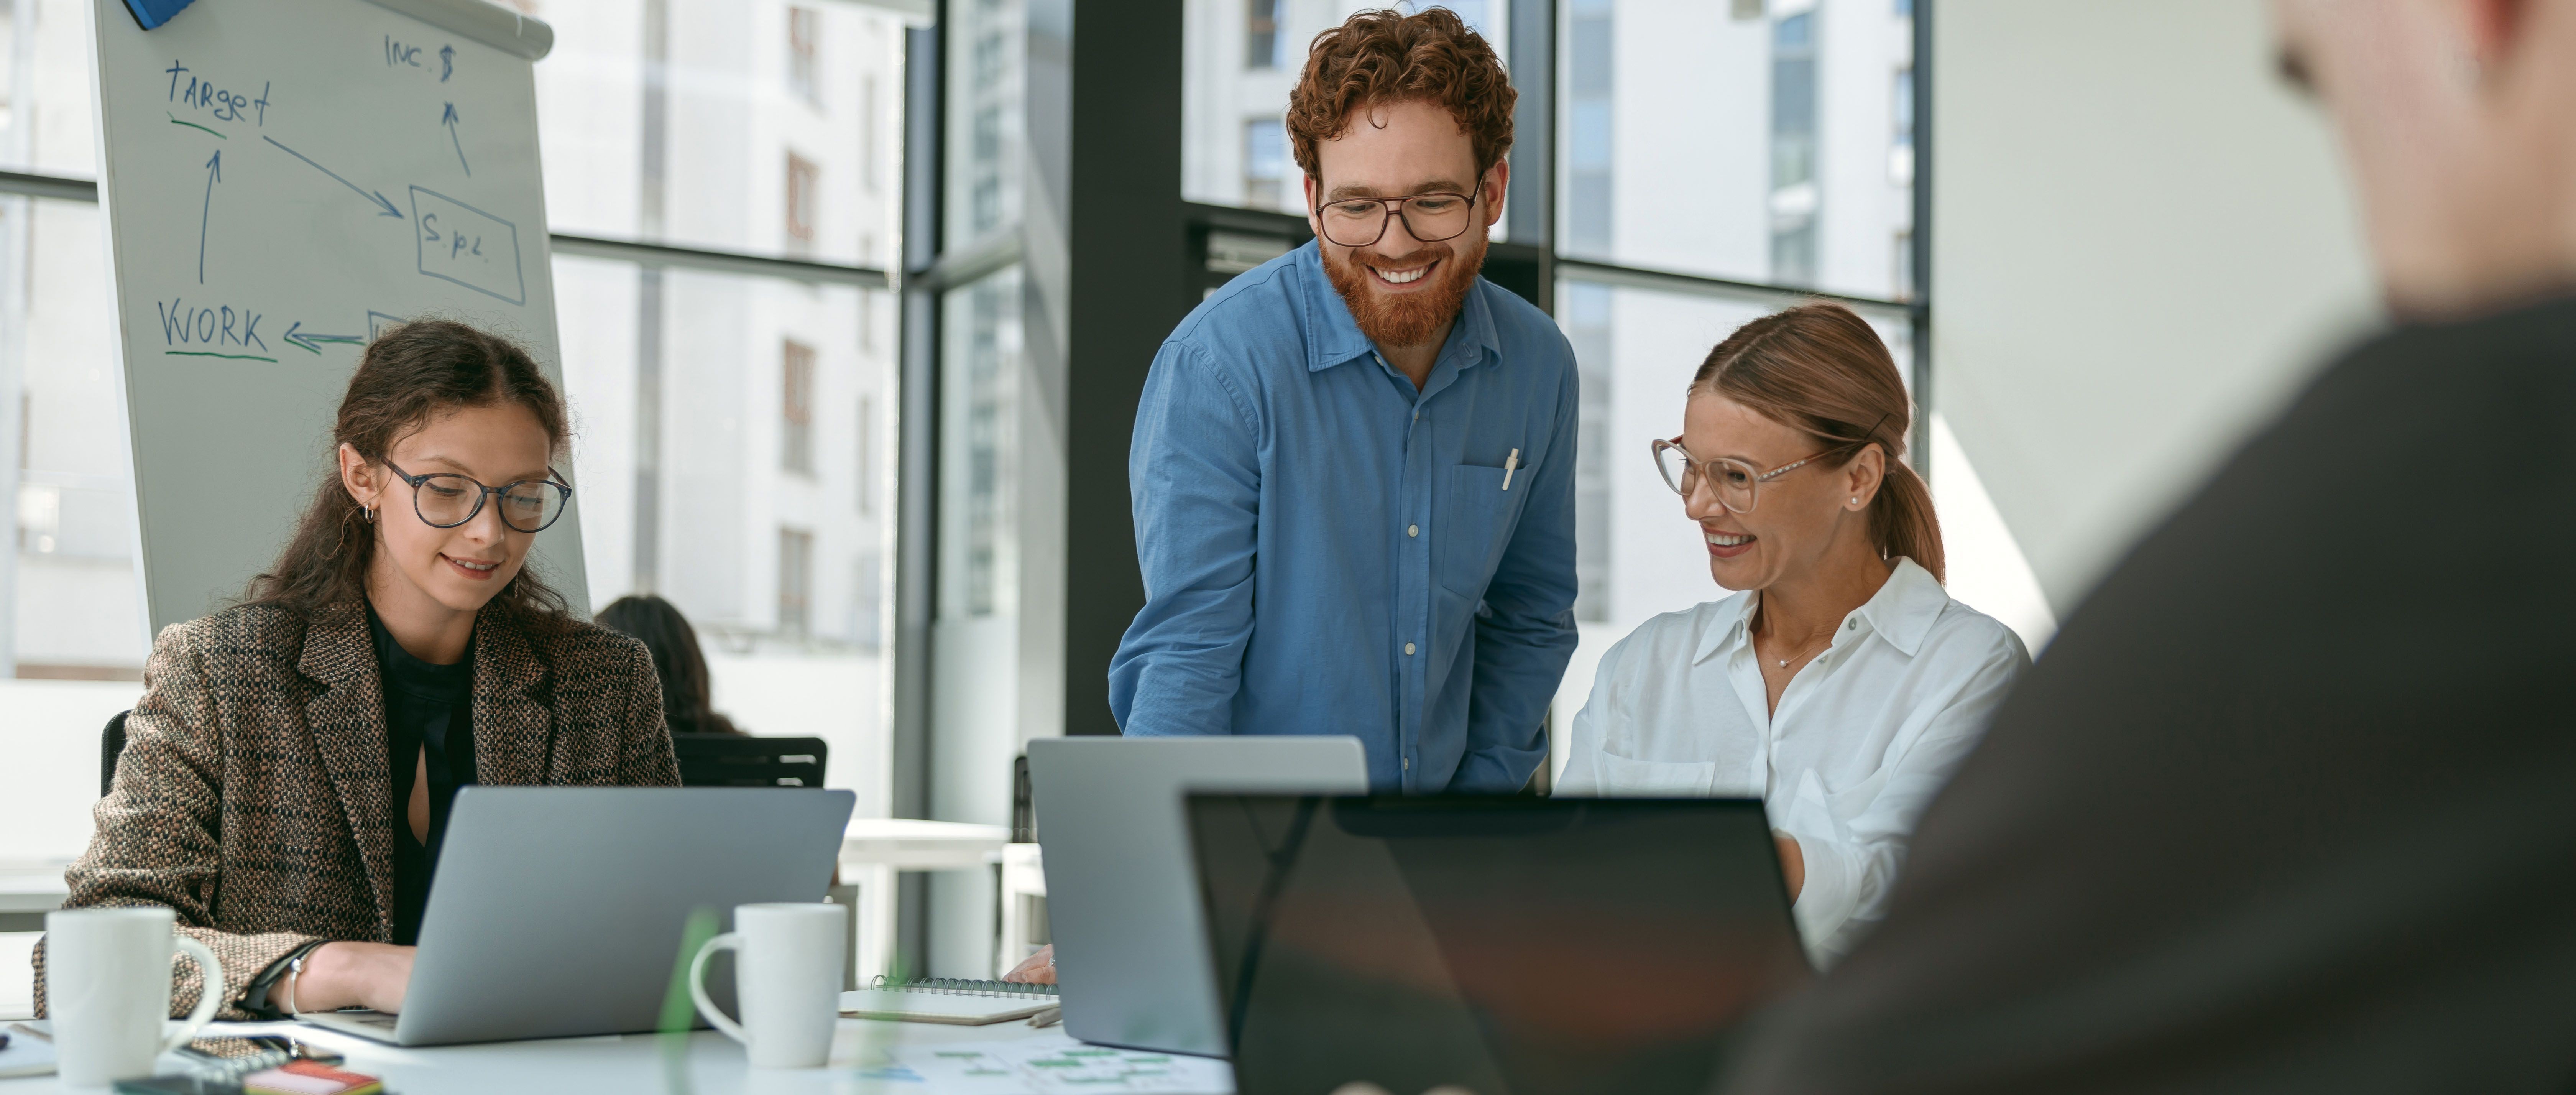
(1855, 501)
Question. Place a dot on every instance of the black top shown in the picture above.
(2290, 803)
(427, 707)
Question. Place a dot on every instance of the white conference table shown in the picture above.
(874, 850)
(700, 1063)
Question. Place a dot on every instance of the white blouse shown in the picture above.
(1866, 733)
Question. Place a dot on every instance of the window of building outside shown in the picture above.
(803, 26)
(1794, 194)
(804, 192)
(795, 580)
(1260, 34)
(1265, 164)
(796, 407)
(1240, 59)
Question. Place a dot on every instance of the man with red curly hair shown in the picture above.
(1353, 467)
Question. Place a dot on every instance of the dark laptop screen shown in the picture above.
(1513, 946)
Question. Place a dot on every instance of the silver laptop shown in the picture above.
(558, 911)
(1123, 904)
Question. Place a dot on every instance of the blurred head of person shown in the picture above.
(1415, 107)
(2459, 120)
(676, 659)
(1791, 454)
(444, 441)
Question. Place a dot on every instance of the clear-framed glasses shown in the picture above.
(446, 500)
(1431, 218)
(1737, 483)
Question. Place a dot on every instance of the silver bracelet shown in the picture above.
(294, 973)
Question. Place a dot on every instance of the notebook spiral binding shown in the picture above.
(960, 986)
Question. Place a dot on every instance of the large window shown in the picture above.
(721, 402)
(1748, 142)
(721, 181)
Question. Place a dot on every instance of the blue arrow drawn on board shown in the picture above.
(307, 340)
(214, 171)
(449, 120)
(384, 208)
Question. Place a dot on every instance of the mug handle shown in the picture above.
(731, 941)
(210, 972)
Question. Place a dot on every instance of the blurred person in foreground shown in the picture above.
(2257, 822)
(1840, 684)
(677, 659)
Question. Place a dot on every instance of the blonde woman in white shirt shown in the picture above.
(1840, 683)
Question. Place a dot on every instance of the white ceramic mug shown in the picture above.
(107, 988)
(787, 973)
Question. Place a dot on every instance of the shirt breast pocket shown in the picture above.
(1476, 520)
(1622, 777)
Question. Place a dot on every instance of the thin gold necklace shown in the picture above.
(1811, 647)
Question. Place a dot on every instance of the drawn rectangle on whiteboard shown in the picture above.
(468, 246)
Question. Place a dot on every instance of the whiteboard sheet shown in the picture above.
(283, 179)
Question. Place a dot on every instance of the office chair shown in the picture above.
(741, 760)
(110, 744)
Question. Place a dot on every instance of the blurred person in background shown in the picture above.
(1842, 683)
(2259, 821)
(677, 660)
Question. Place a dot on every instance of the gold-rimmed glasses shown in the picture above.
(1736, 483)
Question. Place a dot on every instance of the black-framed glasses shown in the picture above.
(1431, 218)
(446, 499)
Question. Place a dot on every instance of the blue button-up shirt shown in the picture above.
(1328, 551)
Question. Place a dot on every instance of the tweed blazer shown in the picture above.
(253, 796)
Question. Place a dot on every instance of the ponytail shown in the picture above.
(1822, 369)
(1901, 521)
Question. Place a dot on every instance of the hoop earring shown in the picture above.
(370, 511)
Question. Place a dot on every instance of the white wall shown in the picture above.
(2142, 244)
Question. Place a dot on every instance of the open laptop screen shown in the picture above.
(1508, 945)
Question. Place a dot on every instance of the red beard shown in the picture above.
(1413, 318)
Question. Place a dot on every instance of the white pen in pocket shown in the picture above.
(1511, 464)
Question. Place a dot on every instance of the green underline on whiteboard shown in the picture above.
(174, 120)
(211, 353)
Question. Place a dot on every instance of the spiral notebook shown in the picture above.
(948, 1000)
